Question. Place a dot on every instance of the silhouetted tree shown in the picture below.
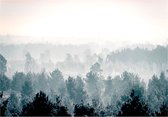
(133, 107)
(83, 110)
(41, 106)
(163, 110)
(3, 107)
(59, 109)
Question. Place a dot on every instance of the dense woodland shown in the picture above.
(53, 94)
(73, 60)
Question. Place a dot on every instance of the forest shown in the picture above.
(52, 93)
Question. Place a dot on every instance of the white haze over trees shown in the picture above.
(143, 59)
(78, 80)
(83, 58)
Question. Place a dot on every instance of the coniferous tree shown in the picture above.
(83, 110)
(27, 89)
(59, 109)
(41, 106)
(56, 82)
(133, 107)
(3, 105)
(13, 106)
(18, 81)
(3, 108)
(3, 67)
(163, 110)
(4, 83)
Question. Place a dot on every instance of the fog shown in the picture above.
(98, 78)
(76, 59)
(83, 58)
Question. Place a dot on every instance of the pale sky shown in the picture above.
(81, 21)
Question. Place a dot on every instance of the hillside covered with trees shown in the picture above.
(53, 94)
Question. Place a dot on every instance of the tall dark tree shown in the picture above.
(41, 106)
(163, 110)
(59, 109)
(133, 107)
(83, 110)
(3, 107)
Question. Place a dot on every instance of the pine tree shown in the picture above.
(41, 106)
(133, 107)
(83, 110)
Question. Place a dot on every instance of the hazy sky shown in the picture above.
(86, 21)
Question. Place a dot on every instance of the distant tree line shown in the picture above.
(158, 55)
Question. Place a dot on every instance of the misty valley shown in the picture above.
(83, 80)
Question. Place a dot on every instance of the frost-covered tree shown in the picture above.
(13, 106)
(75, 89)
(42, 83)
(3, 63)
(56, 82)
(129, 80)
(26, 92)
(80, 90)
(18, 81)
(109, 89)
(157, 92)
(71, 90)
(163, 110)
(153, 93)
(27, 89)
(4, 83)
(30, 63)
(94, 82)
(96, 68)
